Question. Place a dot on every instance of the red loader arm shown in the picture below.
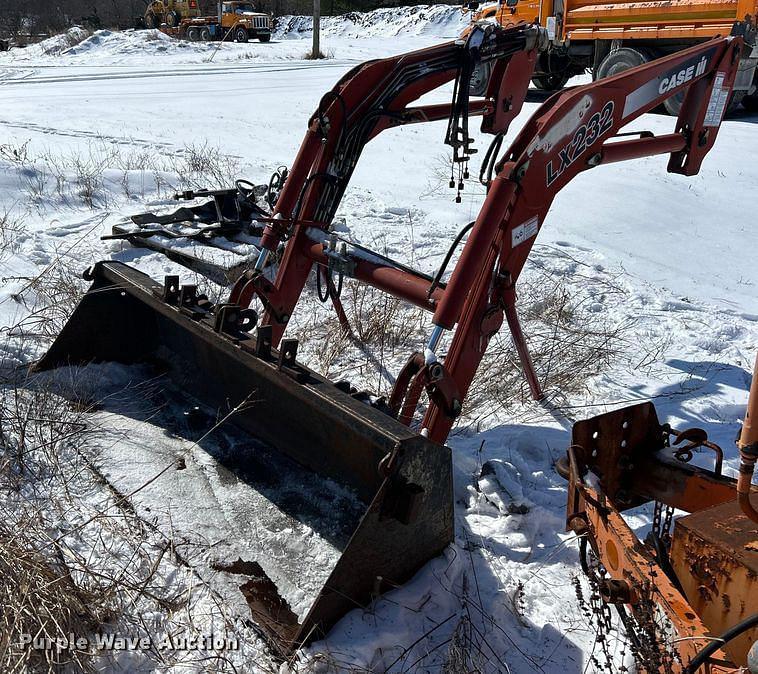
(573, 131)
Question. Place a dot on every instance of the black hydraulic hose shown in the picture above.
(583, 562)
(718, 642)
(446, 261)
(490, 158)
(322, 296)
(665, 562)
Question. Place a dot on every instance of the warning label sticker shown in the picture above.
(717, 104)
(525, 231)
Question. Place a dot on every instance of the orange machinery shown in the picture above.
(688, 594)
(609, 37)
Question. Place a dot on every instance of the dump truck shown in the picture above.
(168, 12)
(382, 467)
(609, 37)
(234, 20)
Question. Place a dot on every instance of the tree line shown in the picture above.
(33, 18)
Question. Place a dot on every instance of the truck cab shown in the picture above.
(245, 21)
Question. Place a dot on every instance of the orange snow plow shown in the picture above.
(234, 357)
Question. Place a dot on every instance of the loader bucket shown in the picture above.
(402, 481)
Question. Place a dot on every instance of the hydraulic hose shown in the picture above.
(732, 633)
(748, 446)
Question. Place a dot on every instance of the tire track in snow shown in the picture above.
(147, 74)
(94, 135)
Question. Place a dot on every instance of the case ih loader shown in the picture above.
(235, 358)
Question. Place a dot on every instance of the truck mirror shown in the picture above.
(511, 3)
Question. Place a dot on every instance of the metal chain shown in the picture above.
(597, 612)
(645, 627)
(662, 521)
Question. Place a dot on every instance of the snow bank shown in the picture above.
(121, 43)
(53, 46)
(106, 47)
(436, 20)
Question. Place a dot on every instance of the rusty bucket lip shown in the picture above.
(349, 438)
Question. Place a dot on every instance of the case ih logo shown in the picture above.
(668, 83)
(686, 74)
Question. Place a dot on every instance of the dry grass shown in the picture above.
(94, 175)
(12, 232)
(16, 153)
(383, 331)
(38, 594)
(50, 298)
(75, 556)
(380, 320)
(41, 600)
(569, 336)
(310, 55)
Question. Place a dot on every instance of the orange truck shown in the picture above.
(609, 37)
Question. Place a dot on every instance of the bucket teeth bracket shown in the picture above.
(263, 342)
(170, 291)
(287, 362)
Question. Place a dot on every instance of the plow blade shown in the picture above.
(402, 482)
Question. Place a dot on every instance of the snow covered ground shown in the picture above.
(94, 131)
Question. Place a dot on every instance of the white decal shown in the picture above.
(564, 128)
(667, 83)
(525, 231)
(586, 135)
(684, 75)
(718, 101)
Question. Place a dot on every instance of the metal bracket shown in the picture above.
(233, 320)
(288, 353)
(170, 290)
(339, 260)
(263, 342)
(192, 304)
(287, 362)
(443, 390)
(402, 500)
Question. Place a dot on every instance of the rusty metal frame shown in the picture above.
(624, 452)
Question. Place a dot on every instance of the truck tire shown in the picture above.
(620, 60)
(151, 20)
(673, 104)
(241, 35)
(193, 34)
(625, 58)
(750, 103)
(205, 34)
(480, 78)
(264, 37)
(173, 18)
(551, 82)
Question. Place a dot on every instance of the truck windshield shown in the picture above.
(244, 7)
